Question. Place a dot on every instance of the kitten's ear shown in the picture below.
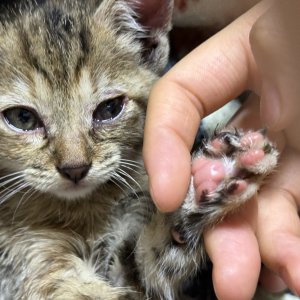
(146, 22)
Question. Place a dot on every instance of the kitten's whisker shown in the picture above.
(129, 168)
(10, 175)
(132, 163)
(11, 187)
(129, 177)
(6, 182)
(13, 192)
(125, 183)
(26, 196)
(115, 181)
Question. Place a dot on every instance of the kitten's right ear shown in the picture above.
(145, 22)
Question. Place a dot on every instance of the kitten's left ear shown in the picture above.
(154, 14)
(147, 22)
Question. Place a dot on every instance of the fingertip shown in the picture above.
(243, 271)
(233, 249)
(168, 193)
(168, 164)
(244, 285)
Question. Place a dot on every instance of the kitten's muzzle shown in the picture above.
(74, 174)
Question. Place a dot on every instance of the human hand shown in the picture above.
(278, 227)
(275, 44)
(217, 71)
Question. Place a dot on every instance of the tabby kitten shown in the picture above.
(76, 219)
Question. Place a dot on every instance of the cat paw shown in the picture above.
(227, 171)
(231, 166)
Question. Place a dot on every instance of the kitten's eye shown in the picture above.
(22, 118)
(109, 109)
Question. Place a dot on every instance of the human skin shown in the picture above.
(259, 52)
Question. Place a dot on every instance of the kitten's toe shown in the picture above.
(254, 139)
(259, 155)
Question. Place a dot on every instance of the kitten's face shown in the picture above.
(73, 92)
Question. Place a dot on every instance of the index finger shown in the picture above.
(211, 75)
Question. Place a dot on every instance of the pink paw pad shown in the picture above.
(237, 187)
(255, 142)
(207, 175)
(218, 146)
(252, 157)
(225, 166)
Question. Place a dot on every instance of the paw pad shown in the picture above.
(226, 165)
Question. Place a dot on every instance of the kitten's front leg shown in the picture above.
(227, 172)
(49, 265)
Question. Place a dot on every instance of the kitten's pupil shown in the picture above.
(109, 109)
(22, 118)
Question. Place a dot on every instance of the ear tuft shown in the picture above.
(147, 22)
(121, 16)
(155, 14)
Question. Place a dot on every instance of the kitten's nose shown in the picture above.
(74, 174)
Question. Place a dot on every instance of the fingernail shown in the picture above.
(270, 107)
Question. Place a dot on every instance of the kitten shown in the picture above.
(77, 221)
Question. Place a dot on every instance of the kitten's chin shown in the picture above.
(73, 193)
